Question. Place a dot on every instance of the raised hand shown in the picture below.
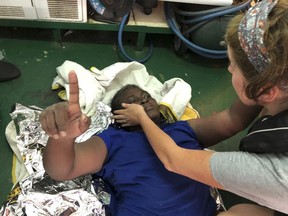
(65, 119)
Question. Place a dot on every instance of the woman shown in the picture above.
(257, 45)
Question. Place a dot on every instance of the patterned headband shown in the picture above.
(251, 32)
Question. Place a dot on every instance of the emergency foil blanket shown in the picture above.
(37, 194)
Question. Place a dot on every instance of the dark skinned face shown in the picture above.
(138, 96)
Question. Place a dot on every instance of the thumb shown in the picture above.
(84, 123)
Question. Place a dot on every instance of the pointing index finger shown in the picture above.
(73, 88)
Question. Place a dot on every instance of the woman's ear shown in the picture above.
(269, 95)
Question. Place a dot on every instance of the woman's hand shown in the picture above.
(65, 119)
(131, 115)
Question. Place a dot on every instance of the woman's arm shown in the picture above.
(194, 164)
(220, 126)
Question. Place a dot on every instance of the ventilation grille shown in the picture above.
(11, 11)
(65, 9)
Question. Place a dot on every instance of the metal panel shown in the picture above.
(65, 10)
(17, 9)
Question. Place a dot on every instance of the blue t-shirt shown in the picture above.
(140, 184)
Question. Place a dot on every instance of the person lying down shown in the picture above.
(138, 182)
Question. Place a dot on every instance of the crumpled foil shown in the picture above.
(218, 199)
(38, 194)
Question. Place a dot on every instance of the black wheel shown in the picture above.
(180, 47)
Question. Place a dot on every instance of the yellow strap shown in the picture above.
(14, 168)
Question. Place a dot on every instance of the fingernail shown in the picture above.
(84, 117)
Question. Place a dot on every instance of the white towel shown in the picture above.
(176, 96)
(90, 90)
(101, 85)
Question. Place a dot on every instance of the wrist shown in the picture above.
(144, 118)
(62, 140)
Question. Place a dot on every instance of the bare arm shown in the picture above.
(63, 159)
(220, 126)
(194, 164)
(63, 122)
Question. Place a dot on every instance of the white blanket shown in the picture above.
(96, 85)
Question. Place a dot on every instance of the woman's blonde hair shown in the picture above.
(276, 42)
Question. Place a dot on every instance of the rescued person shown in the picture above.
(138, 182)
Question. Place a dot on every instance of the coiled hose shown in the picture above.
(122, 50)
(198, 19)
